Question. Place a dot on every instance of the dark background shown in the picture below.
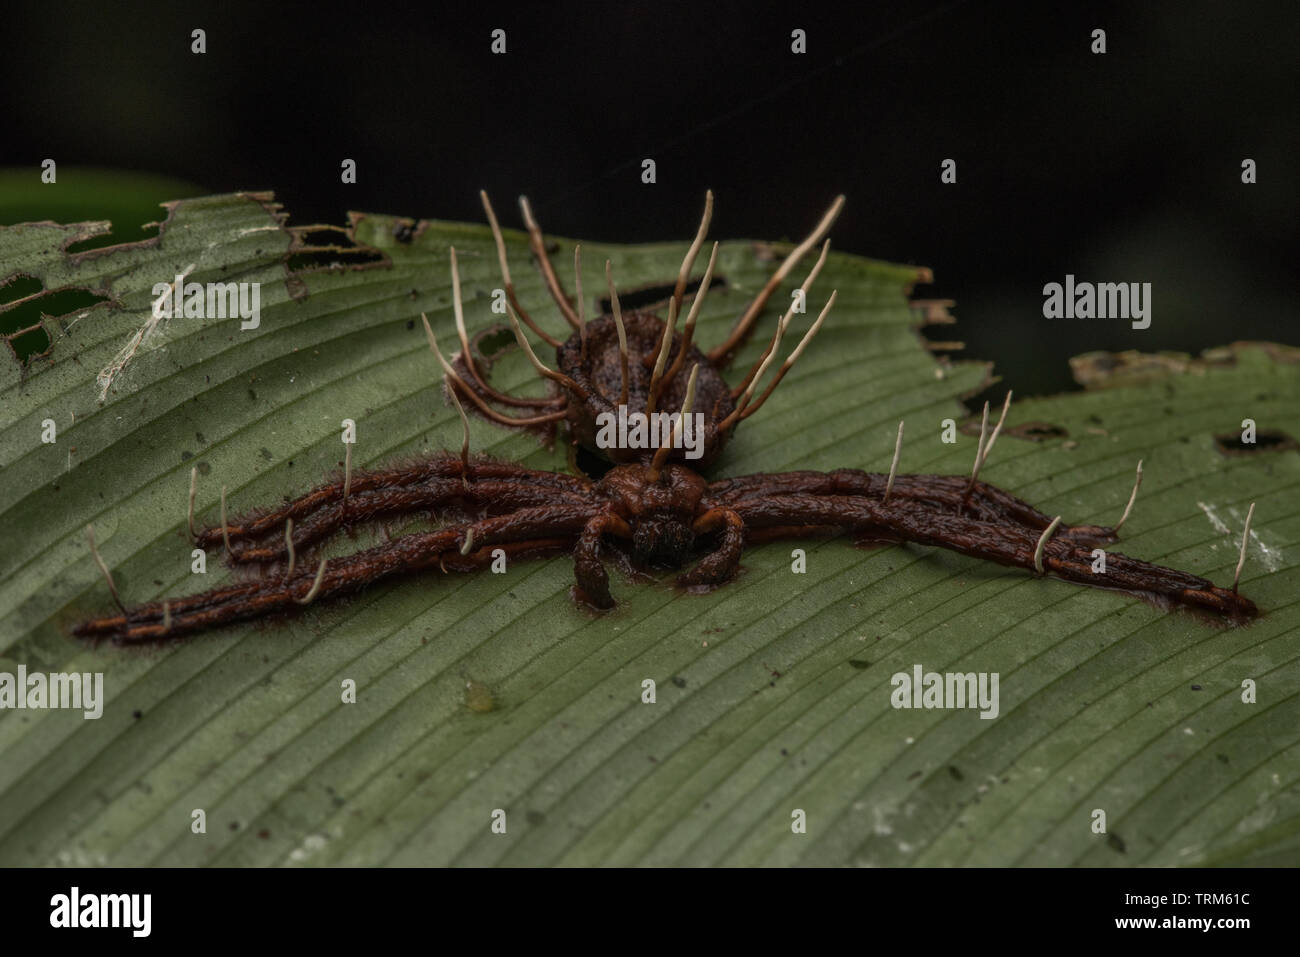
(1119, 167)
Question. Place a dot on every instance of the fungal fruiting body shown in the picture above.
(654, 503)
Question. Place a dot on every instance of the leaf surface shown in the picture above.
(485, 692)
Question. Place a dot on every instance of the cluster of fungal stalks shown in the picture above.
(651, 505)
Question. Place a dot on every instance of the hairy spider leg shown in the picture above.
(592, 579)
(721, 564)
(440, 466)
(553, 523)
(714, 568)
(490, 496)
(985, 502)
(1006, 544)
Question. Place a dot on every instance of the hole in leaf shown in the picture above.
(1029, 431)
(328, 247)
(1266, 440)
(644, 296)
(29, 343)
(1036, 431)
(332, 257)
(23, 317)
(19, 287)
(492, 342)
(116, 236)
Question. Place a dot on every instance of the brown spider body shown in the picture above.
(654, 503)
(601, 374)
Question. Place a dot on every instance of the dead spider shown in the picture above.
(658, 507)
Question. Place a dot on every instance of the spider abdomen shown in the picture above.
(601, 374)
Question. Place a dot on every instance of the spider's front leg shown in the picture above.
(326, 495)
(374, 492)
(491, 496)
(721, 564)
(593, 580)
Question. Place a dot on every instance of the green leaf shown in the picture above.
(484, 692)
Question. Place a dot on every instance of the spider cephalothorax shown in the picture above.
(654, 502)
(660, 508)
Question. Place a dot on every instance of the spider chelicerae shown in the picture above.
(654, 503)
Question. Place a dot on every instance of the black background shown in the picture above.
(349, 909)
(1123, 167)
